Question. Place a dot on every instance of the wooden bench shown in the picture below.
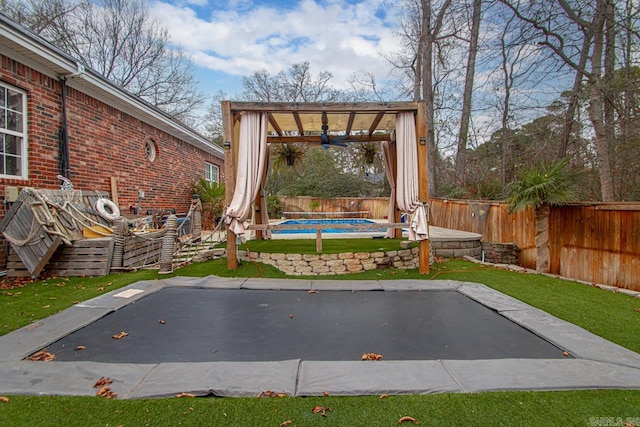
(320, 227)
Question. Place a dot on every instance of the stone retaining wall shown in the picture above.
(501, 253)
(326, 264)
(456, 248)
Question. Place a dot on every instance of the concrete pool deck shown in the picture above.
(595, 362)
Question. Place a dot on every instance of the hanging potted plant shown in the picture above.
(368, 152)
(287, 154)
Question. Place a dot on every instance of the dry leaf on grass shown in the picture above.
(4, 399)
(407, 419)
(185, 395)
(42, 356)
(382, 396)
(285, 423)
(271, 393)
(120, 335)
(371, 356)
(321, 410)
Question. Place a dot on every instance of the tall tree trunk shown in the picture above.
(463, 134)
(426, 56)
(596, 105)
(573, 97)
(627, 96)
(428, 36)
(506, 164)
(543, 258)
(607, 83)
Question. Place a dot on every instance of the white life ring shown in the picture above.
(107, 209)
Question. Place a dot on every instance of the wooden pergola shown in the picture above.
(308, 122)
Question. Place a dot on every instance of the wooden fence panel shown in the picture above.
(595, 242)
(375, 207)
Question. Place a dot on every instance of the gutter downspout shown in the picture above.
(64, 168)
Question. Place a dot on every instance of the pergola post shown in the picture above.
(423, 179)
(260, 214)
(397, 215)
(229, 177)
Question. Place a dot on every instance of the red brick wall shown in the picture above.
(103, 142)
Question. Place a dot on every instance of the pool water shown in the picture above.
(329, 229)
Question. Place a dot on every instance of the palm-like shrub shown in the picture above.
(212, 197)
(541, 186)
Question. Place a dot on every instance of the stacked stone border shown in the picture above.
(520, 269)
(341, 263)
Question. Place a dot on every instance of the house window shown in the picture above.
(13, 132)
(211, 172)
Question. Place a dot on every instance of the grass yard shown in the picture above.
(615, 317)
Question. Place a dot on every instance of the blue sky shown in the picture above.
(231, 39)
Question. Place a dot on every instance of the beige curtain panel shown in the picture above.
(251, 162)
(407, 181)
(388, 151)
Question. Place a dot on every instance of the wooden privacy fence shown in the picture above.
(338, 207)
(594, 242)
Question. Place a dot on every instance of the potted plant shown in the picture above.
(368, 152)
(287, 154)
(211, 196)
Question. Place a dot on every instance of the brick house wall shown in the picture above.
(104, 142)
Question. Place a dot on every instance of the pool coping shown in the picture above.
(595, 362)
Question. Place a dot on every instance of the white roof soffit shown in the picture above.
(37, 53)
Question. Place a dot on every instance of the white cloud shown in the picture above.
(332, 36)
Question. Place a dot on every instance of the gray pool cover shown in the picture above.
(238, 337)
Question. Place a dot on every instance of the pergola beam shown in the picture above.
(316, 138)
(376, 122)
(296, 117)
(275, 125)
(319, 107)
(352, 117)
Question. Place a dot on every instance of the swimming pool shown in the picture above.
(329, 222)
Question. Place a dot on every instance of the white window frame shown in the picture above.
(24, 158)
(151, 153)
(211, 172)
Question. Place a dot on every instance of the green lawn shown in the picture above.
(613, 316)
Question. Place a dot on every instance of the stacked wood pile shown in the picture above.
(45, 231)
(87, 257)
